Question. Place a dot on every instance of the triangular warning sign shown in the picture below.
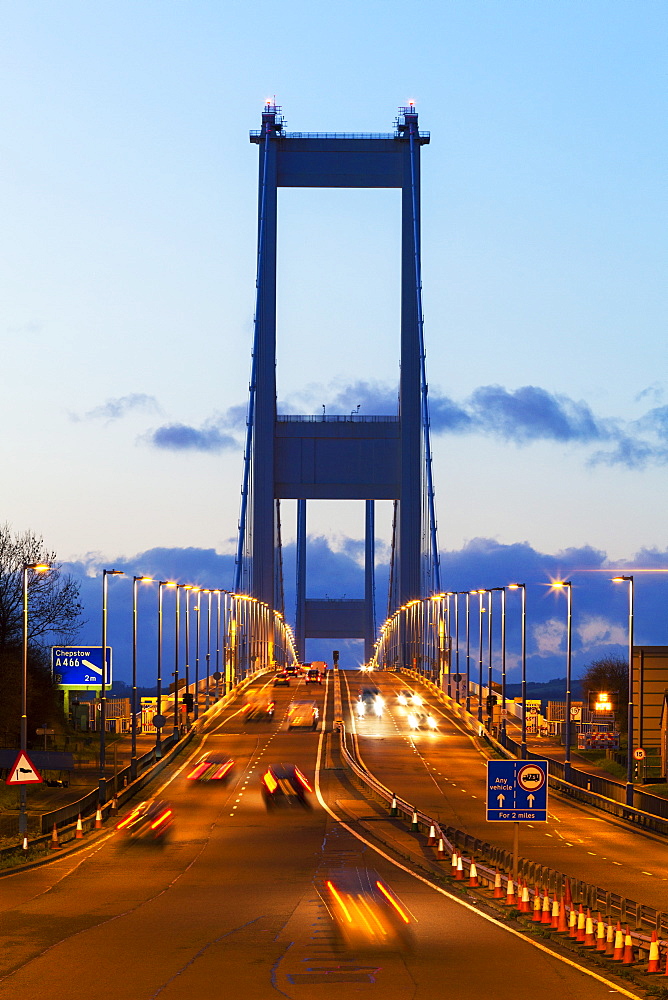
(23, 771)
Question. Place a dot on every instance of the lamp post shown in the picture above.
(217, 671)
(188, 588)
(568, 587)
(457, 674)
(468, 651)
(177, 641)
(158, 727)
(481, 611)
(102, 784)
(197, 640)
(629, 724)
(522, 587)
(133, 721)
(500, 590)
(23, 807)
(208, 649)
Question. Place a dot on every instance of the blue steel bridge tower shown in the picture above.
(347, 457)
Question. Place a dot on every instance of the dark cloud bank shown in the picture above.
(599, 607)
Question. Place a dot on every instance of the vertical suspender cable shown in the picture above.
(251, 403)
(423, 367)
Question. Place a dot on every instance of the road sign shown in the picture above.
(217, 675)
(159, 721)
(23, 772)
(639, 754)
(517, 791)
(45, 732)
(79, 666)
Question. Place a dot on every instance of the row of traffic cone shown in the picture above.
(55, 844)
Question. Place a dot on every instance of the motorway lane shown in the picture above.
(444, 774)
(229, 906)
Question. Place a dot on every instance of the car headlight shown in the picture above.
(431, 722)
(360, 708)
(402, 699)
(378, 708)
(416, 699)
(412, 721)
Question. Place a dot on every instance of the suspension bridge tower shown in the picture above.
(346, 457)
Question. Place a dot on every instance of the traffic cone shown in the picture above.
(525, 904)
(453, 867)
(554, 923)
(473, 874)
(78, 834)
(393, 807)
(498, 889)
(610, 940)
(459, 872)
(562, 926)
(573, 923)
(600, 934)
(431, 839)
(440, 849)
(654, 962)
(537, 906)
(114, 804)
(511, 898)
(25, 843)
(627, 958)
(580, 935)
(55, 843)
(590, 938)
(546, 917)
(618, 953)
(98, 819)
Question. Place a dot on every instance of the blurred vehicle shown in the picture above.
(303, 713)
(417, 719)
(294, 670)
(370, 702)
(284, 785)
(282, 678)
(404, 697)
(258, 707)
(365, 912)
(314, 676)
(149, 822)
(212, 767)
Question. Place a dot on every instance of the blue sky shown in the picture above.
(128, 198)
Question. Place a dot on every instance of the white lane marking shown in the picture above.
(454, 899)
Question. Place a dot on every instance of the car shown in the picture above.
(370, 702)
(314, 677)
(405, 696)
(284, 785)
(149, 822)
(293, 670)
(212, 767)
(259, 707)
(282, 679)
(303, 714)
(365, 912)
(418, 719)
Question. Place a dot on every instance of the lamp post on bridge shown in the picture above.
(133, 721)
(23, 800)
(522, 587)
(102, 782)
(568, 587)
(629, 724)
(468, 650)
(159, 716)
(481, 611)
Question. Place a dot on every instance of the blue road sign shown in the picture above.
(517, 791)
(79, 666)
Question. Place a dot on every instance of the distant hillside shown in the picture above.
(554, 690)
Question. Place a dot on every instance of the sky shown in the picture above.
(128, 193)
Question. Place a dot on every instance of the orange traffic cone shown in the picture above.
(98, 819)
(654, 962)
(78, 834)
(562, 926)
(573, 923)
(537, 906)
(114, 804)
(610, 940)
(580, 935)
(590, 939)
(25, 843)
(554, 923)
(511, 899)
(454, 864)
(525, 903)
(600, 934)
(440, 848)
(498, 889)
(618, 953)
(55, 843)
(473, 874)
(459, 873)
(627, 958)
(547, 909)
(431, 839)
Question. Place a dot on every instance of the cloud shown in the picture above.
(549, 637)
(595, 630)
(182, 437)
(115, 409)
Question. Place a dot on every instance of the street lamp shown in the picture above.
(567, 585)
(457, 674)
(133, 721)
(502, 591)
(158, 725)
(629, 725)
(208, 648)
(217, 670)
(102, 785)
(197, 641)
(481, 610)
(23, 808)
(522, 587)
(468, 651)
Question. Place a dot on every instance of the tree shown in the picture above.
(610, 673)
(54, 605)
